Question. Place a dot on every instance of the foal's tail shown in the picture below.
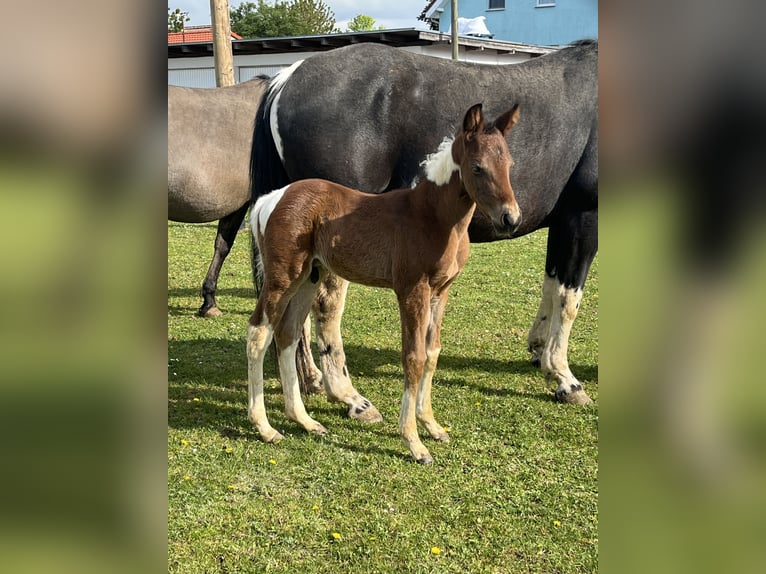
(266, 169)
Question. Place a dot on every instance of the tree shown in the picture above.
(362, 23)
(288, 18)
(176, 20)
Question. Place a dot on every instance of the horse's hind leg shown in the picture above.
(224, 239)
(424, 411)
(288, 334)
(541, 328)
(572, 243)
(328, 311)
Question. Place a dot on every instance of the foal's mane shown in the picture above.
(439, 165)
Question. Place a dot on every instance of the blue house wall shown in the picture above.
(524, 22)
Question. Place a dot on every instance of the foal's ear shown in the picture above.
(473, 123)
(505, 122)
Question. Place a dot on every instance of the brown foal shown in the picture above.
(413, 241)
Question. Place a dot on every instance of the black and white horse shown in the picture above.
(366, 116)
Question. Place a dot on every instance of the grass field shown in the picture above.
(514, 491)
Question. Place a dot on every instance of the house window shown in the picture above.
(497, 4)
(545, 3)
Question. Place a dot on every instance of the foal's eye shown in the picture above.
(476, 170)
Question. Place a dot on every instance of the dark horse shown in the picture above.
(365, 116)
(209, 140)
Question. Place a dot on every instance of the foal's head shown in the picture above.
(485, 162)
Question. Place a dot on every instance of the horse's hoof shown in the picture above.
(366, 413)
(210, 313)
(576, 397)
(444, 438)
(536, 362)
(426, 459)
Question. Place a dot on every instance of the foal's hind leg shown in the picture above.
(424, 411)
(328, 311)
(288, 333)
(259, 334)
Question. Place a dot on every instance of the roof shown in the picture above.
(195, 34)
(397, 38)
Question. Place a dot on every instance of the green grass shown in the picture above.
(514, 491)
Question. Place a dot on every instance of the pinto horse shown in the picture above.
(414, 241)
(366, 115)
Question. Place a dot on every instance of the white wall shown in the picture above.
(200, 72)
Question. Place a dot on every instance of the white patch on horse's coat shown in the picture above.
(439, 166)
(275, 90)
(261, 211)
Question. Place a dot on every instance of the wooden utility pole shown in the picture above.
(455, 46)
(224, 59)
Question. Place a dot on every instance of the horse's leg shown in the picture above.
(288, 333)
(424, 411)
(259, 334)
(415, 312)
(541, 328)
(224, 239)
(328, 311)
(572, 244)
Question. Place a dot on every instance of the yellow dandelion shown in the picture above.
(436, 550)
(446, 429)
(478, 404)
(196, 399)
(184, 442)
(556, 523)
(315, 507)
(187, 477)
(337, 536)
(230, 487)
(373, 537)
(229, 449)
(272, 461)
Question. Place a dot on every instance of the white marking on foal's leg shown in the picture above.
(424, 411)
(258, 340)
(541, 328)
(554, 359)
(294, 408)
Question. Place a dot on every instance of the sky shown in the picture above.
(388, 13)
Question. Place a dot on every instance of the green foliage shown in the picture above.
(514, 491)
(176, 20)
(362, 23)
(290, 18)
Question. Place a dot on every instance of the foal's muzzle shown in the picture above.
(508, 223)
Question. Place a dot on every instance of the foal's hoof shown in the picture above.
(574, 397)
(210, 313)
(318, 430)
(427, 459)
(366, 413)
(275, 438)
(536, 362)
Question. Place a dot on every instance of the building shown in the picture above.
(535, 22)
(190, 61)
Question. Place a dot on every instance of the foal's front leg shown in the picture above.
(328, 311)
(415, 314)
(433, 347)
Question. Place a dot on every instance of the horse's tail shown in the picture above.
(266, 169)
